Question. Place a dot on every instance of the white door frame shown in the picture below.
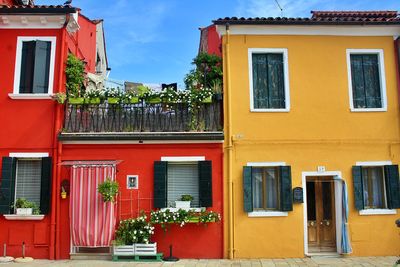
(338, 205)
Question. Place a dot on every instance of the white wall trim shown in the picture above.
(183, 159)
(338, 176)
(265, 164)
(382, 79)
(373, 163)
(32, 21)
(30, 96)
(28, 155)
(18, 57)
(330, 30)
(378, 212)
(282, 51)
(265, 213)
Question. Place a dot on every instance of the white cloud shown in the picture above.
(269, 8)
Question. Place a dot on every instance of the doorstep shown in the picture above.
(90, 256)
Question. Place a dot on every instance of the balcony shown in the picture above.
(143, 122)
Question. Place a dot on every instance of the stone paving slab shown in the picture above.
(313, 261)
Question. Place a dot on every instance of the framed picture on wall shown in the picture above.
(132, 181)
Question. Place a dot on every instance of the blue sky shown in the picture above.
(154, 41)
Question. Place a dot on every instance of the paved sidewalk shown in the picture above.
(314, 261)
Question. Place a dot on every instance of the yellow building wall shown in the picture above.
(319, 130)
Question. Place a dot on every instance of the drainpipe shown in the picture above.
(397, 62)
(55, 188)
(229, 147)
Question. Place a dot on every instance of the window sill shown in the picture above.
(377, 212)
(30, 96)
(15, 217)
(191, 209)
(265, 110)
(267, 214)
(368, 109)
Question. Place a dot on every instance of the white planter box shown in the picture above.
(135, 249)
(24, 211)
(182, 204)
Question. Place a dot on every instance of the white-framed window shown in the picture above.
(34, 67)
(366, 80)
(267, 189)
(132, 181)
(27, 176)
(269, 80)
(375, 187)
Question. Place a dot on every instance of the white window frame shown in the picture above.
(17, 71)
(382, 78)
(137, 181)
(266, 213)
(376, 211)
(284, 52)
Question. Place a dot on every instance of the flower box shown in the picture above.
(24, 211)
(182, 204)
(135, 249)
(153, 100)
(134, 100)
(93, 101)
(113, 100)
(207, 100)
(76, 100)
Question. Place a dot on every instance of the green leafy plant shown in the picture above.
(60, 97)
(135, 230)
(22, 203)
(186, 198)
(108, 189)
(74, 72)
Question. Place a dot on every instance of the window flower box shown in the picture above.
(113, 100)
(134, 100)
(24, 211)
(182, 204)
(207, 100)
(76, 100)
(93, 101)
(153, 100)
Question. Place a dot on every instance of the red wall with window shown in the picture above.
(190, 241)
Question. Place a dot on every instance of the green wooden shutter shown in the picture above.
(42, 67)
(260, 80)
(160, 184)
(276, 87)
(372, 81)
(358, 187)
(357, 81)
(247, 189)
(7, 189)
(392, 186)
(205, 183)
(286, 188)
(45, 186)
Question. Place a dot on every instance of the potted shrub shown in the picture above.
(93, 96)
(152, 97)
(60, 98)
(108, 189)
(113, 95)
(131, 97)
(184, 202)
(74, 72)
(133, 237)
(169, 95)
(25, 207)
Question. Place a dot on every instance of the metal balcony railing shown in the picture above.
(143, 117)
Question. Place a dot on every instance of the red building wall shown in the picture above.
(190, 241)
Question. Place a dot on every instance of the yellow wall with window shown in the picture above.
(319, 130)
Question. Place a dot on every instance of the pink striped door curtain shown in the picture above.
(92, 219)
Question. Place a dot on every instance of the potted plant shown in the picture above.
(169, 95)
(113, 95)
(184, 202)
(108, 189)
(131, 97)
(152, 97)
(60, 98)
(63, 193)
(74, 72)
(25, 207)
(133, 237)
(93, 96)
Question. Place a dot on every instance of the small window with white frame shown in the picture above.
(34, 66)
(366, 78)
(269, 80)
(132, 181)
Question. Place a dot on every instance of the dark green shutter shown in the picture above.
(357, 81)
(286, 188)
(392, 186)
(205, 183)
(160, 184)
(247, 189)
(42, 67)
(7, 189)
(45, 186)
(27, 67)
(358, 187)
